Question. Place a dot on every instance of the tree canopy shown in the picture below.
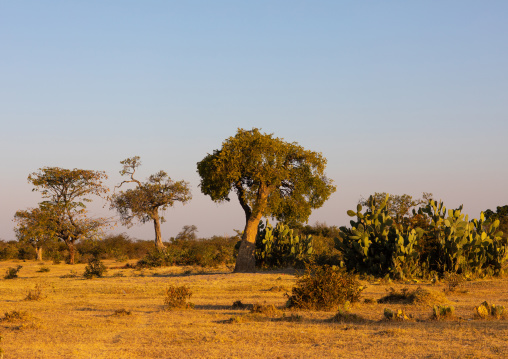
(64, 213)
(148, 199)
(35, 226)
(270, 177)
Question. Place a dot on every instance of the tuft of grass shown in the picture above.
(12, 273)
(17, 316)
(72, 274)
(121, 312)
(176, 298)
(36, 293)
(43, 269)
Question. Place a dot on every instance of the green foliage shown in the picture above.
(280, 247)
(252, 163)
(211, 252)
(374, 245)
(436, 241)
(12, 273)
(176, 298)
(64, 214)
(464, 246)
(271, 178)
(324, 288)
(95, 267)
(148, 199)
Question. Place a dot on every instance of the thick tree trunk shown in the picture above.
(158, 236)
(70, 246)
(38, 251)
(246, 260)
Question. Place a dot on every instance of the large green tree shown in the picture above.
(270, 177)
(147, 199)
(67, 192)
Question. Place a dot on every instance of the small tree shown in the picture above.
(66, 192)
(271, 177)
(149, 198)
(34, 227)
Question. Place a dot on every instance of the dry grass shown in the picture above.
(85, 318)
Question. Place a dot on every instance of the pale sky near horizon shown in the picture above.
(399, 96)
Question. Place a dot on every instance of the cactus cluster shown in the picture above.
(448, 242)
(464, 246)
(280, 246)
(486, 310)
(374, 245)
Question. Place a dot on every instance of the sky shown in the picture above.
(401, 97)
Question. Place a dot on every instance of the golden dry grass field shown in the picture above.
(80, 318)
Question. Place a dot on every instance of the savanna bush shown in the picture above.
(176, 298)
(324, 288)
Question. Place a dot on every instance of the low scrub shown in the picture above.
(417, 296)
(324, 288)
(12, 273)
(176, 298)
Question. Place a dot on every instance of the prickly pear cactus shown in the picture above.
(280, 246)
(373, 245)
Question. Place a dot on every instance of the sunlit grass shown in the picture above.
(87, 318)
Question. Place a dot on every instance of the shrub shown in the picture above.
(12, 273)
(17, 316)
(36, 293)
(43, 269)
(176, 298)
(95, 267)
(417, 296)
(324, 288)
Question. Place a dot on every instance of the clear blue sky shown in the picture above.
(399, 96)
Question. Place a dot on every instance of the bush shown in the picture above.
(176, 298)
(417, 296)
(205, 253)
(95, 267)
(324, 288)
(12, 273)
